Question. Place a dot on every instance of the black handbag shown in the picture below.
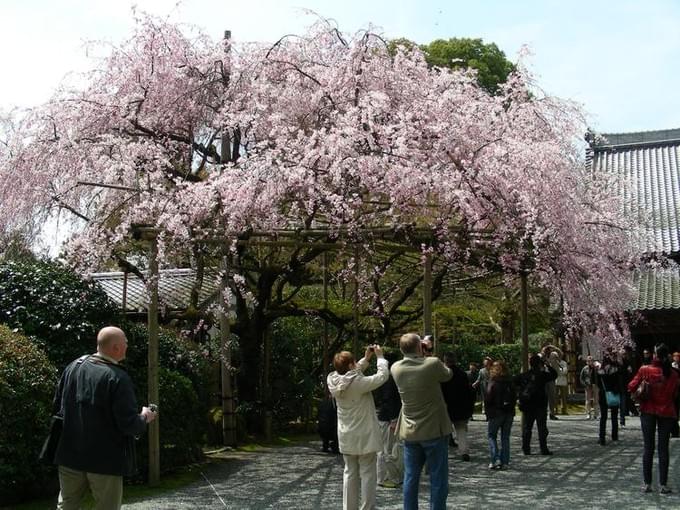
(49, 447)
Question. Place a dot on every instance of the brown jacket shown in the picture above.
(423, 413)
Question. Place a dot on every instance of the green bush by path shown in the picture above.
(183, 417)
(54, 306)
(182, 427)
(27, 382)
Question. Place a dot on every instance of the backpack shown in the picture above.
(529, 391)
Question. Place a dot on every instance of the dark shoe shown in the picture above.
(602, 442)
(665, 490)
(647, 488)
(546, 452)
(466, 457)
(553, 417)
(526, 452)
(615, 438)
(388, 484)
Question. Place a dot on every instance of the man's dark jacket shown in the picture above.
(459, 395)
(538, 378)
(97, 400)
(389, 401)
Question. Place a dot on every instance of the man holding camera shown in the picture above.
(96, 399)
(424, 423)
(533, 402)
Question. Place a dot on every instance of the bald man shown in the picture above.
(96, 398)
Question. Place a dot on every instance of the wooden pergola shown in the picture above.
(322, 238)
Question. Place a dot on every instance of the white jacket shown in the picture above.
(358, 429)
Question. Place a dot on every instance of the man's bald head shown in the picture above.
(111, 341)
(410, 344)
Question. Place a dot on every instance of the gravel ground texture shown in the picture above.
(580, 474)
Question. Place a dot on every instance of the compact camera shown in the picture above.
(153, 408)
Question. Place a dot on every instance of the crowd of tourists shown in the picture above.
(424, 405)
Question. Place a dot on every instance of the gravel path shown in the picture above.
(581, 474)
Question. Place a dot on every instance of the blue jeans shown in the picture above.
(436, 453)
(502, 422)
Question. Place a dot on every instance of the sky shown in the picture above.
(619, 59)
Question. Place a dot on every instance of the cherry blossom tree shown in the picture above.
(322, 132)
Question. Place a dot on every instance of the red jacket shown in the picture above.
(662, 393)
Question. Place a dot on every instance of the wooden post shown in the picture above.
(326, 360)
(225, 143)
(266, 387)
(125, 286)
(153, 382)
(427, 295)
(228, 423)
(524, 320)
(355, 342)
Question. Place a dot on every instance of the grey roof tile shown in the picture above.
(648, 165)
(657, 289)
(174, 289)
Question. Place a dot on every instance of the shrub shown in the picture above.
(183, 416)
(510, 353)
(55, 306)
(182, 424)
(295, 358)
(27, 383)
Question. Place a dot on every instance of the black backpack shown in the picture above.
(528, 392)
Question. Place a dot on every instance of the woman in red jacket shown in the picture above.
(658, 409)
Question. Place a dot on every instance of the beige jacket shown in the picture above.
(358, 428)
(423, 412)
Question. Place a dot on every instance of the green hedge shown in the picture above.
(182, 427)
(474, 352)
(54, 306)
(183, 415)
(27, 383)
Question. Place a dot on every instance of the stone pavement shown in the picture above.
(581, 474)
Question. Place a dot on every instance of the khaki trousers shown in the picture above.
(107, 490)
(359, 482)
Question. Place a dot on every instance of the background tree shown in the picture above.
(489, 62)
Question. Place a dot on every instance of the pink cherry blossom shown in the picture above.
(330, 131)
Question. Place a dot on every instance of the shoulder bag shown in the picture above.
(49, 447)
(613, 399)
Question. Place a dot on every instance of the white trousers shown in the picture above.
(592, 400)
(360, 474)
(391, 458)
(461, 428)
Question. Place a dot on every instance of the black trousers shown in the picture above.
(649, 424)
(540, 416)
(614, 412)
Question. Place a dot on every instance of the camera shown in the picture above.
(371, 348)
(153, 408)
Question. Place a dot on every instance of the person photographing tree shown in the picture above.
(96, 399)
(359, 437)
